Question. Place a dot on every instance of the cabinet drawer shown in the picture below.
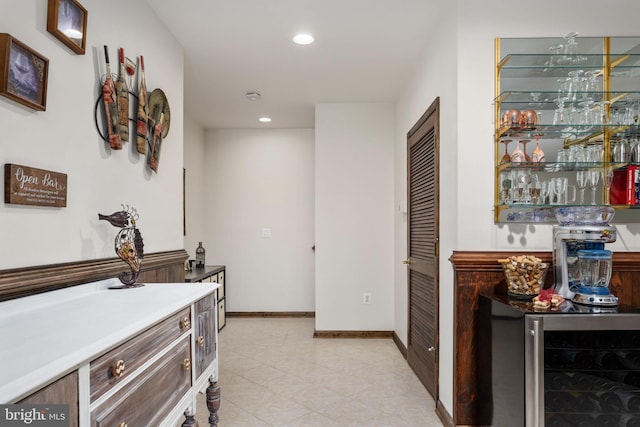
(122, 361)
(152, 395)
(205, 334)
(213, 278)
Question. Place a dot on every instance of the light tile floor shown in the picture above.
(274, 373)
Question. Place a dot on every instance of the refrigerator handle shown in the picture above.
(538, 378)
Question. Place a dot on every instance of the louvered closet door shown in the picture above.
(422, 227)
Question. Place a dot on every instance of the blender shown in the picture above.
(594, 266)
(578, 253)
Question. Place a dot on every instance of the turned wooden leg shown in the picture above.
(213, 401)
(190, 420)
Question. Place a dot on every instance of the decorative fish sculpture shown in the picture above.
(128, 243)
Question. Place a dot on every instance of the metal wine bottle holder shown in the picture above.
(128, 244)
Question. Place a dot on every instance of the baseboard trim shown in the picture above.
(400, 345)
(271, 314)
(443, 414)
(352, 334)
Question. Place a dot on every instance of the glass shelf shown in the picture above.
(546, 100)
(544, 214)
(530, 75)
(573, 134)
(563, 166)
(558, 65)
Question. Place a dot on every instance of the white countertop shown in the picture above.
(50, 334)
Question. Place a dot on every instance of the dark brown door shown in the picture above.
(422, 262)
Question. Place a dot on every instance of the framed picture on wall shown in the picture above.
(23, 73)
(67, 21)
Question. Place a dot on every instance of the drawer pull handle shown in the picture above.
(117, 369)
(123, 424)
(186, 324)
(201, 341)
(186, 363)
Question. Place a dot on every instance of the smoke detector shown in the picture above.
(252, 96)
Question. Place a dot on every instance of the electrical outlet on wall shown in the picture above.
(366, 298)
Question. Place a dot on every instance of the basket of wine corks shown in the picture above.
(524, 274)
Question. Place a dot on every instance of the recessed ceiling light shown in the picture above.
(252, 96)
(264, 119)
(303, 39)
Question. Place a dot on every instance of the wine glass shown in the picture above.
(538, 155)
(607, 179)
(523, 178)
(594, 179)
(506, 158)
(559, 189)
(517, 156)
(524, 143)
(582, 179)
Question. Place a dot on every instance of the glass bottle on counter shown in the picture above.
(200, 255)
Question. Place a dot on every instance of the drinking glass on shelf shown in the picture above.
(621, 151)
(524, 143)
(592, 84)
(523, 180)
(560, 189)
(546, 192)
(553, 58)
(506, 184)
(559, 113)
(594, 153)
(570, 49)
(635, 151)
(506, 157)
(575, 84)
(538, 155)
(607, 179)
(517, 156)
(582, 179)
(594, 179)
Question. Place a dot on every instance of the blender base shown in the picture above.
(595, 299)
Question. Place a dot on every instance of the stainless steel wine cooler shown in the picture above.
(565, 367)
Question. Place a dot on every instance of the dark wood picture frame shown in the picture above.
(23, 73)
(67, 21)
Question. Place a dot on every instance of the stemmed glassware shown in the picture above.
(594, 179)
(523, 178)
(524, 143)
(607, 179)
(506, 158)
(582, 179)
(538, 155)
(517, 156)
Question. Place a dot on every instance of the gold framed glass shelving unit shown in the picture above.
(577, 101)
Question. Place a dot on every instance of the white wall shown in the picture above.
(64, 139)
(354, 216)
(257, 179)
(194, 185)
(435, 76)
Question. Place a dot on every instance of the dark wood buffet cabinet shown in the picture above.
(213, 274)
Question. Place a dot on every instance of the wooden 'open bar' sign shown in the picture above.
(37, 187)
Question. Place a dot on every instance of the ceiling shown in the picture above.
(365, 51)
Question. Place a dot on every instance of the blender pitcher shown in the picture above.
(594, 266)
